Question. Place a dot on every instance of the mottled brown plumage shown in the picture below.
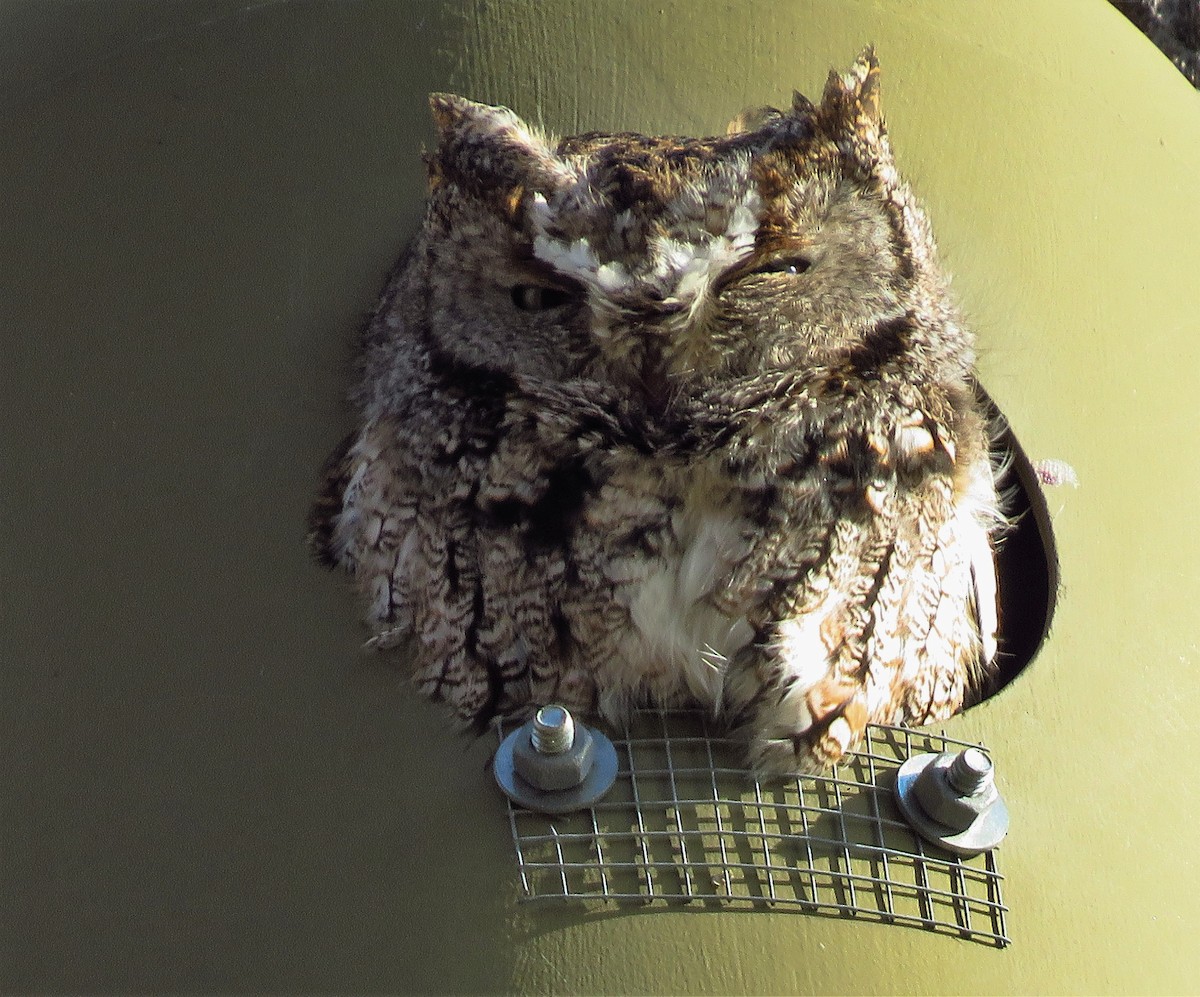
(675, 420)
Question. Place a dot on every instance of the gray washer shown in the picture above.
(983, 834)
(595, 784)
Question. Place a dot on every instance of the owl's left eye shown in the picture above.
(537, 298)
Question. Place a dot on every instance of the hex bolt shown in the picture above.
(553, 730)
(970, 771)
(552, 755)
(554, 765)
(951, 799)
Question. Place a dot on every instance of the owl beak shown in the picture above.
(649, 303)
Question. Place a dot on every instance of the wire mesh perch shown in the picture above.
(685, 823)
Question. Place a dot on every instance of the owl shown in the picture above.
(674, 421)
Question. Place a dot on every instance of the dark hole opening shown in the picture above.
(1026, 564)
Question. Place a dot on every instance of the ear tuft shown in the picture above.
(802, 107)
(448, 110)
(488, 149)
(457, 118)
(852, 98)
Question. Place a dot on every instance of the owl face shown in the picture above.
(652, 261)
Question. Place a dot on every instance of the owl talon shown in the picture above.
(838, 721)
(387, 640)
(805, 732)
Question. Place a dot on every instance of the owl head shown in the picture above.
(663, 264)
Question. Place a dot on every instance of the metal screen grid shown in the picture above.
(686, 824)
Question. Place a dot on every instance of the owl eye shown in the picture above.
(792, 265)
(536, 298)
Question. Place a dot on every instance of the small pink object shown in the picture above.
(1055, 472)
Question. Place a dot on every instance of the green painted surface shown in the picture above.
(206, 788)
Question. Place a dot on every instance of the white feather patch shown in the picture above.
(671, 611)
(683, 263)
(802, 650)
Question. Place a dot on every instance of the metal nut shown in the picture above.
(955, 789)
(550, 771)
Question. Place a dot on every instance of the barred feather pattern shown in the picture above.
(658, 420)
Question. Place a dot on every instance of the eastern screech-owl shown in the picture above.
(672, 420)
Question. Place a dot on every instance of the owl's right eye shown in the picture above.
(792, 265)
(537, 298)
